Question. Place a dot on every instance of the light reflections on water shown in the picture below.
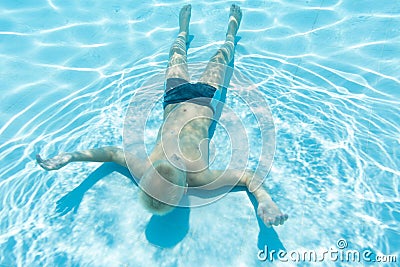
(329, 70)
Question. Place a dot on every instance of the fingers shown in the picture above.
(271, 215)
(44, 163)
(284, 218)
(268, 220)
(39, 159)
(269, 223)
(278, 220)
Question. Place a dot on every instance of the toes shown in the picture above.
(235, 8)
(187, 7)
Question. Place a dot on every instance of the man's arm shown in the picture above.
(267, 209)
(104, 154)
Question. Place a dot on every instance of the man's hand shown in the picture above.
(54, 163)
(269, 212)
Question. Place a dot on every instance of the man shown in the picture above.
(180, 156)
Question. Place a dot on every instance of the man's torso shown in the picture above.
(183, 138)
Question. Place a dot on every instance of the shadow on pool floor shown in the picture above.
(162, 231)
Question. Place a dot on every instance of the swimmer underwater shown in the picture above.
(169, 169)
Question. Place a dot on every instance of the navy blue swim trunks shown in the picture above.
(179, 90)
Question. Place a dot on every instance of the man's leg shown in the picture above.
(177, 64)
(216, 69)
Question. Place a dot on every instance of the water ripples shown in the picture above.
(328, 70)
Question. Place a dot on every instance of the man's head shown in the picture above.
(162, 187)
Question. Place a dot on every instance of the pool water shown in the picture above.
(328, 70)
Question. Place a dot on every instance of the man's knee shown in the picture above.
(222, 56)
(177, 49)
(176, 59)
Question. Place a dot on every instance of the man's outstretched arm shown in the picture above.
(267, 209)
(103, 154)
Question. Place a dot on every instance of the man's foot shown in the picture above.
(269, 212)
(184, 19)
(235, 16)
(54, 163)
